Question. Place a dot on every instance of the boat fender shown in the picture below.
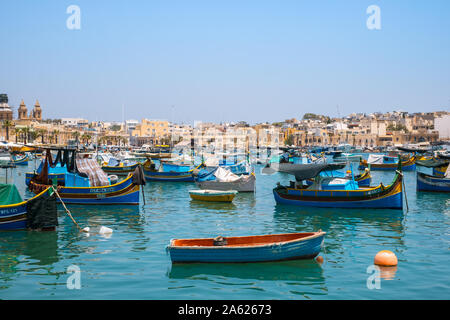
(220, 241)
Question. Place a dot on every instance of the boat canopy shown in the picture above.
(311, 170)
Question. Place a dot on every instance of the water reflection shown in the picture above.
(387, 273)
(30, 247)
(305, 271)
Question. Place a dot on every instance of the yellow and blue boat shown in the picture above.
(88, 186)
(338, 193)
(261, 248)
(213, 195)
(383, 162)
(169, 172)
(20, 161)
(426, 182)
(16, 214)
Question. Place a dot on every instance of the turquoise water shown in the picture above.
(132, 263)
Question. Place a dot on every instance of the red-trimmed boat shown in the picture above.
(262, 248)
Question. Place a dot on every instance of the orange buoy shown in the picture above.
(385, 258)
(319, 259)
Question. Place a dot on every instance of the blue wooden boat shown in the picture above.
(344, 194)
(362, 179)
(120, 170)
(84, 189)
(15, 214)
(383, 162)
(426, 182)
(23, 161)
(169, 172)
(262, 248)
(124, 192)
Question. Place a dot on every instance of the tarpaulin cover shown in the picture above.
(97, 177)
(9, 194)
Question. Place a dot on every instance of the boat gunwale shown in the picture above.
(312, 236)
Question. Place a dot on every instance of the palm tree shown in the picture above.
(55, 135)
(17, 132)
(25, 132)
(7, 124)
(41, 133)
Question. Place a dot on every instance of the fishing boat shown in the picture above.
(337, 192)
(20, 161)
(213, 195)
(223, 179)
(169, 172)
(383, 162)
(39, 212)
(363, 179)
(346, 157)
(88, 184)
(120, 168)
(426, 182)
(261, 248)
(436, 182)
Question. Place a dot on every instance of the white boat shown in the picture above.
(223, 179)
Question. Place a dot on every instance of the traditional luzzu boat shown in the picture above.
(439, 166)
(344, 157)
(57, 169)
(338, 192)
(261, 248)
(169, 172)
(88, 184)
(119, 168)
(383, 162)
(20, 161)
(39, 212)
(437, 183)
(213, 195)
(363, 179)
(426, 182)
(223, 179)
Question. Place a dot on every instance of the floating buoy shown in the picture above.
(385, 258)
(319, 259)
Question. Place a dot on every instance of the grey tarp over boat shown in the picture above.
(311, 170)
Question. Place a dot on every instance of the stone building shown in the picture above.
(5, 110)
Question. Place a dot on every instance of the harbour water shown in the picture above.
(132, 263)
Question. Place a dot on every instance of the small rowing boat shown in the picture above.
(213, 195)
(261, 248)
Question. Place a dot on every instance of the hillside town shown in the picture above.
(27, 125)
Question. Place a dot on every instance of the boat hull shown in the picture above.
(407, 165)
(120, 171)
(300, 249)
(432, 183)
(378, 197)
(121, 193)
(215, 197)
(14, 216)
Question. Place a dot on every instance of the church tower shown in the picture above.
(23, 111)
(37, 111)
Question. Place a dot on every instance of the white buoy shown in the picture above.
(105, 230)
(86, 229)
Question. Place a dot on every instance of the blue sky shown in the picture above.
(220, 60)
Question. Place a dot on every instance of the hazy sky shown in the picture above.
(225, 60)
